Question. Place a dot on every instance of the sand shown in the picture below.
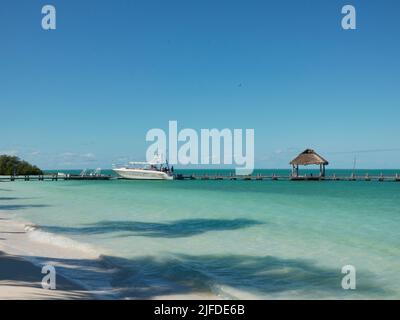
(20, 279)
(23, 253)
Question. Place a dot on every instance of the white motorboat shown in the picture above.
(153, 170)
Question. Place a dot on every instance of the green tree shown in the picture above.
(11, 164)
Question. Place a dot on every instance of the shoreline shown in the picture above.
(20, 271)
(81, 273)
(140, 251)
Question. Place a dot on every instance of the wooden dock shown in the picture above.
(273, 177)
(215, 177)
(55, 177)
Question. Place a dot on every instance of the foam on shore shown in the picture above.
(72, 260)
(79, 262)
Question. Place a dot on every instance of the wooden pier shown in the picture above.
(55, 177)
(273, 177)
(214, 177)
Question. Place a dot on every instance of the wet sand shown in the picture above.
(22, 256)
(20, 279)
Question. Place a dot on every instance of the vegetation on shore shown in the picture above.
(10, 165)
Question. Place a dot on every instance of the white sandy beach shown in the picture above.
(20, 277)
(20, 280)
(23, 253)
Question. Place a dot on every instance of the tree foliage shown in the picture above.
(10, 165)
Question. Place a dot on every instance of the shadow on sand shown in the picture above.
(26, 279)
(173, 229)
(150, 277)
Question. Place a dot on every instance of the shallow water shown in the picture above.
(239, 239)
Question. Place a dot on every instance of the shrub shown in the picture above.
(10, 165)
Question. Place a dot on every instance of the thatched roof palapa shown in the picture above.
(308, 157)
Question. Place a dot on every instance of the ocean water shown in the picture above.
(236, 239)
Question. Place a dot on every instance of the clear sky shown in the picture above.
(85, 94)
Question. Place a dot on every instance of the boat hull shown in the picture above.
(139, 174)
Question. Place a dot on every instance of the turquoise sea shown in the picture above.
(237, 239)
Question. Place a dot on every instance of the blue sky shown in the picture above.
(85, 94)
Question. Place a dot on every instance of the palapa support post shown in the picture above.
(322, 170)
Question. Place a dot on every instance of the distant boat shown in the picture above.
(153, 170)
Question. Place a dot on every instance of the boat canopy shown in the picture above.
(156, 160)
(138, 163)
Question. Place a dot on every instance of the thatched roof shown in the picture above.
(307, 157)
